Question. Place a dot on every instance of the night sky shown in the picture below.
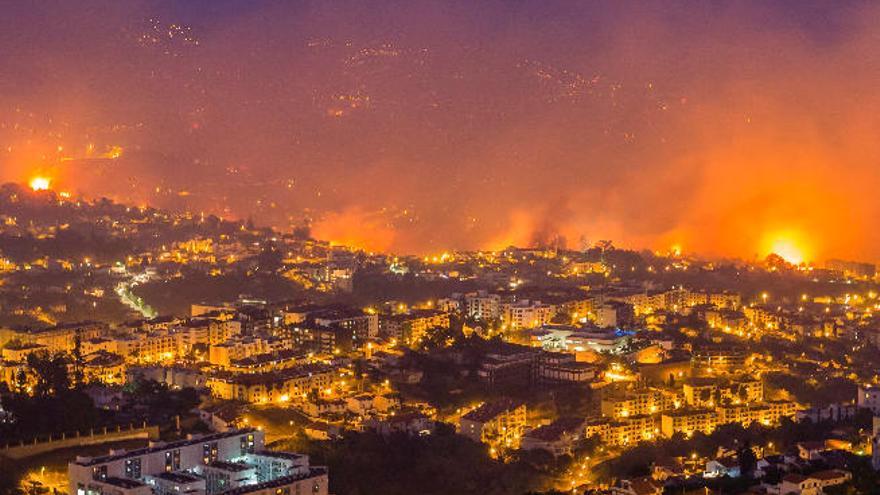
(729, 128)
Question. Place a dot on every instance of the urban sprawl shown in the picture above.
(234, 359)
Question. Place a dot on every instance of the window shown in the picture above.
(99, 472)
(209, 452)
(133, 468)
(247, 443)
(172, 460)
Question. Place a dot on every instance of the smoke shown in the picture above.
(426, 126)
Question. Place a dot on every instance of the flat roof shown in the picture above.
(235, 467)
(178, 477)
(159, 448)
(121, 482)
(278, 482)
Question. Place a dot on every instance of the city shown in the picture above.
(576, 369)
(427, 247)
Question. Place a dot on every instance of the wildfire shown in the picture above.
(788, 246)
(40, 183)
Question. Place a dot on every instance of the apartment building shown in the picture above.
(624, 431)
(526, 314)
(482, 306)
(274, 386)
(635, 402)
(499, 424)
(232, 462)
(688, 422)
(709, 392)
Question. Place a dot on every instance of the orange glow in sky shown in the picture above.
(40, 183)
(790, 246)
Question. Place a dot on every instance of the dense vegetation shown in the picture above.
(443, 463)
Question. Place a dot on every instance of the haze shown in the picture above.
(424, 126)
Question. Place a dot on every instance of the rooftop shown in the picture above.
(278, 482)
(234, 467)
(178, 477)
(93, 461)
(121, 482)
(273, 376)
(490, 410)
(557, 429)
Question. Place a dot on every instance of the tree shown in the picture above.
(748, 461)
(51, 373)
(270, 259)
(78, 373)
(20, 380)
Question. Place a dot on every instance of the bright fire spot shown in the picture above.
(40, 183)
(789, 249)
(114, 152)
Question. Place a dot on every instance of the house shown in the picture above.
(811, 451)
(361, 404)
(638, 486)
(410, 423)
(103, 366)
(770, 463)
(321, 431)
(498, 424)
(558, 438)
(719, 468)
(220, 418)
(813, 484)
(798, 484)
(321, 407)
(663, 472)
(831, 477)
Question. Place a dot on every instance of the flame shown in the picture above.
(357, 228)
(788, 245)
(40, 183)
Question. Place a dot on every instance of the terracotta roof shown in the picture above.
(829, 474)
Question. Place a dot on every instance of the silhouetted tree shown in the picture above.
(748, 461)
(78, 362)
(51, 373)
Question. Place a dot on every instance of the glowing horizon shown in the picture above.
(407, 140)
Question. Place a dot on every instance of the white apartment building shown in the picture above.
(482, 306)
(526, 314)
(229, 463)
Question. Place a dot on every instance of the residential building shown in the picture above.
(869, 398)
(558, 438)
(231, 462)
(275, 386)
(482, 306)
(639, 401)
(500, 424)
(510, 364)
(688, 422)
(526, 314)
